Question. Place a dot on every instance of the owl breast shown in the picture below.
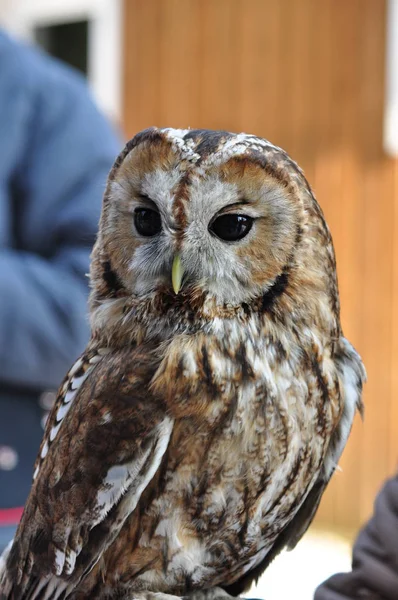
(249, 439)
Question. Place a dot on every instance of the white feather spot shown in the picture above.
(217, 325)
(59, 561)
(169, 528)
(115, 484)
(62, 411)
(70, 562)
(106, 417)
(102, 352)
(44, 450)
(69, 396)
(77, 381)
(54, 432)
(78, 364)
(190, 365)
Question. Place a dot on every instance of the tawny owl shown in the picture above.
(195, 436)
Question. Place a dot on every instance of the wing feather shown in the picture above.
(91, 473)
(352, 376)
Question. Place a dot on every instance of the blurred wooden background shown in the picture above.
(309, 76)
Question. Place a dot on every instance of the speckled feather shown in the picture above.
(195, 436)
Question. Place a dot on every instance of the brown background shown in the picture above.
(309, 76)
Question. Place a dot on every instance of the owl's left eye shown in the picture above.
(147, 221)
(231, 227)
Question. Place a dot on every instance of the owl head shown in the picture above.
(221, 217)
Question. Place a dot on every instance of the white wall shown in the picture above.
(21, 17)
(391, 105)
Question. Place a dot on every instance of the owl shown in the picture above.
(194, 437)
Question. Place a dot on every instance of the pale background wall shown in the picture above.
(105, 38)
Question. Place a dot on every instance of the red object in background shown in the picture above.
(10, 516)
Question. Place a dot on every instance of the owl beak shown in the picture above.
(177, 272)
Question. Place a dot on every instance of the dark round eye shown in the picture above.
(231, 227)
(147, 221)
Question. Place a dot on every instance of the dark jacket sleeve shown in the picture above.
(374, 574)
(59, 149)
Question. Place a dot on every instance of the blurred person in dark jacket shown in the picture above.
(374, 574)
(55, 153)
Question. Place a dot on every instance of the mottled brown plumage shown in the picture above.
(195, 436)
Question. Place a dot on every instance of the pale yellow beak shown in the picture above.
(177, 272)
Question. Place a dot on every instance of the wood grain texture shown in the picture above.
(309, 76)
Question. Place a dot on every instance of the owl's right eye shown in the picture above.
(147, 222)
